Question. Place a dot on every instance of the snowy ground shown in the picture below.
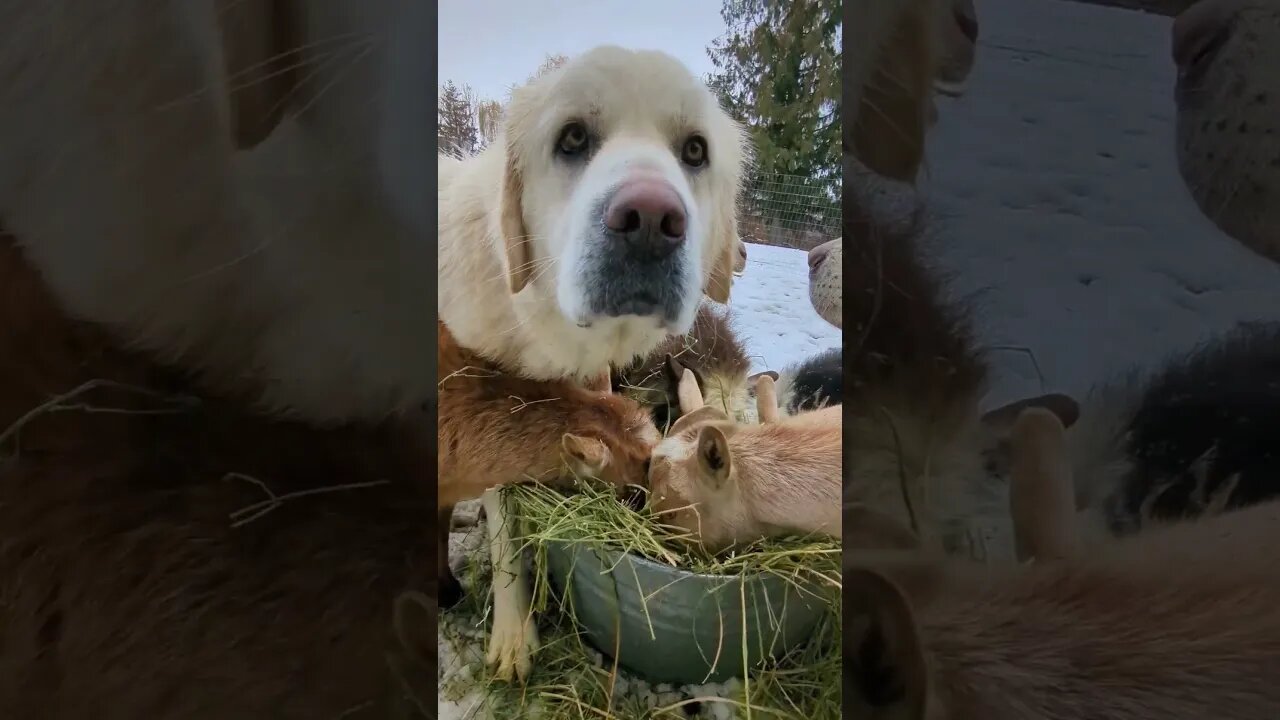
(1060, 206)
(771, 313)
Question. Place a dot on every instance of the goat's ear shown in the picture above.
(714, 460)
(753, 379)
(585, 456)
(261, 56)
(675, 371)
(885, 671)
(706, 413)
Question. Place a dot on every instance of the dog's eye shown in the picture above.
(694, 153)
(573, 139)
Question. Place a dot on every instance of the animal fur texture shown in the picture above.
(915, 440)
(825, 278)
(1228, 125)
(168, 553)
(901, 51)
(915, 381)
(533, 275)
(496, 428)
(1152, 448)
(1158, 625)
(236, 187)
(813, 383)
(728, 482)
(711, 349)
(554, 266)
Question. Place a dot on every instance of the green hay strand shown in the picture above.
(571, 680)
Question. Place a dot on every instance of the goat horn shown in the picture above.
(688, 392)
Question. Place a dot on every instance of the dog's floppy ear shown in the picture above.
(721, 279)
(885, 671)
(261, 53)
(514, 233)
(725, 241)
(892, 118)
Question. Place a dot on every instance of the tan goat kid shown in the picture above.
(729, 483)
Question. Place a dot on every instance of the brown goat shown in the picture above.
(168, 554)
(711, 349)
(728, 482)
(497, 428)
(1180, 622)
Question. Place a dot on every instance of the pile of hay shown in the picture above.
(572, 680)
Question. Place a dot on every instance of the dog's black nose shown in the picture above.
(648, 215)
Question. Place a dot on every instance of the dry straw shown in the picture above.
(570, 680)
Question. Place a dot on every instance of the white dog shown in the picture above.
(582, 238)
(591, 229)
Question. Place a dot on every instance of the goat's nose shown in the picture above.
(1198, 28)
(818, 254)
(649, 215)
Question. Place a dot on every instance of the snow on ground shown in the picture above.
(1060, 206)
(771, 310)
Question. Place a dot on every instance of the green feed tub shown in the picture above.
(677, 626)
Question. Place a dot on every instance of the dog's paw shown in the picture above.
(511, 647)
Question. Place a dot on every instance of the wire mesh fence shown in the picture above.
(789, 210)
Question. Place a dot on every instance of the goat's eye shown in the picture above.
(574, 140)
(694, 152)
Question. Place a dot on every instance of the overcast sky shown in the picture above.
(494, 44)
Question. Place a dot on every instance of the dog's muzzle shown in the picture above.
(637, 260)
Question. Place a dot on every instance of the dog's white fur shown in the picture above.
(513, 225)
(514, 637)
(513, 221)
(295, 266)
